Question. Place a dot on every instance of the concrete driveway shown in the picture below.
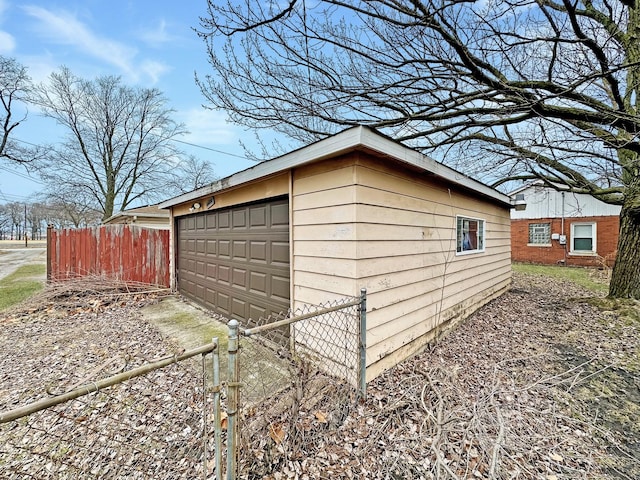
(13, 256)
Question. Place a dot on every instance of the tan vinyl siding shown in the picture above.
(324, 232)
(270, 187)
(363, 222)
(406, 231)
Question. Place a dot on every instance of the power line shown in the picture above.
(25, 142)
(9, 197)
(211, 149)
(23, 175)
(222, 152)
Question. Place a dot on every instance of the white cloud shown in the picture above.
(157, 36)
(64, 28)
(207, 127)
(40, 66)
(7, 43)
(154, 70)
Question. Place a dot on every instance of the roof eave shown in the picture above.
(348, 140)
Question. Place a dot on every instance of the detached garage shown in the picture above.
(354, 210)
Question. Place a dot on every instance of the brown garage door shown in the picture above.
(236, 260)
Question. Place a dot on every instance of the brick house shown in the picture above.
(563, 228)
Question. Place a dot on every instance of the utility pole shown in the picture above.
(25, 225)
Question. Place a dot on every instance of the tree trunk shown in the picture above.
(625, 279)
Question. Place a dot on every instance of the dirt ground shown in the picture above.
(538, 384)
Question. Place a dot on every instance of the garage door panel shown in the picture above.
(224, 249)
(224, 220)
(257, 311)
(212, 270)
(200, 269)
(258, 283)
(191, 265)
(238, 307)
(280, 287)
(223, 303)
(258, 217)
(280, 253)
(240, 278)
(280, 215)
(239, 218)
(258, 251)
(236, 260)
(224, 274)
(239, 250)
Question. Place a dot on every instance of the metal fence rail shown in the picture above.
(292, 379)
(141, 423)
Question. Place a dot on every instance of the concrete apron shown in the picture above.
(262, 370)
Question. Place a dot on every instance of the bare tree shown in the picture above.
(5, 222)
(524, 89)
(190, 174)
(118, 149)
(15, 213)
(63, 211)
(15, 87)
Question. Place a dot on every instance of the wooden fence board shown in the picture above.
(121, 252)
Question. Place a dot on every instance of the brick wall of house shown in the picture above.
(606, 242)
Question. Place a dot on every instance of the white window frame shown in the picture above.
(481, 236)
(540, 244)
(593, 239)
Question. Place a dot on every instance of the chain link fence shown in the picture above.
(154, 420)
(300, 375)
(291, 380)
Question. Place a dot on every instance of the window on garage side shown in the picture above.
(469, 234)
(583, 238)
(539, 233)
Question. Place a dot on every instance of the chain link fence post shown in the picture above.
(217, 422)
(233, 401)
(362, 344)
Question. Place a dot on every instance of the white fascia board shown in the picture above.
(342, 142)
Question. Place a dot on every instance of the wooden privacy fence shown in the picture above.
(120, 252)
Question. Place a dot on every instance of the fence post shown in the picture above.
(217, 421)
(363, 343)
(233, 401)
(49, 250)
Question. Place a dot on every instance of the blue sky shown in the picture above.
(147, 43)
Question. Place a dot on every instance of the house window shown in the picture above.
(583, 237)
(470, 235)
(539, 233)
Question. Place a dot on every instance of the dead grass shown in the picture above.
(592, 279)
(542, 383)
(533, 386)
(19, 285)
